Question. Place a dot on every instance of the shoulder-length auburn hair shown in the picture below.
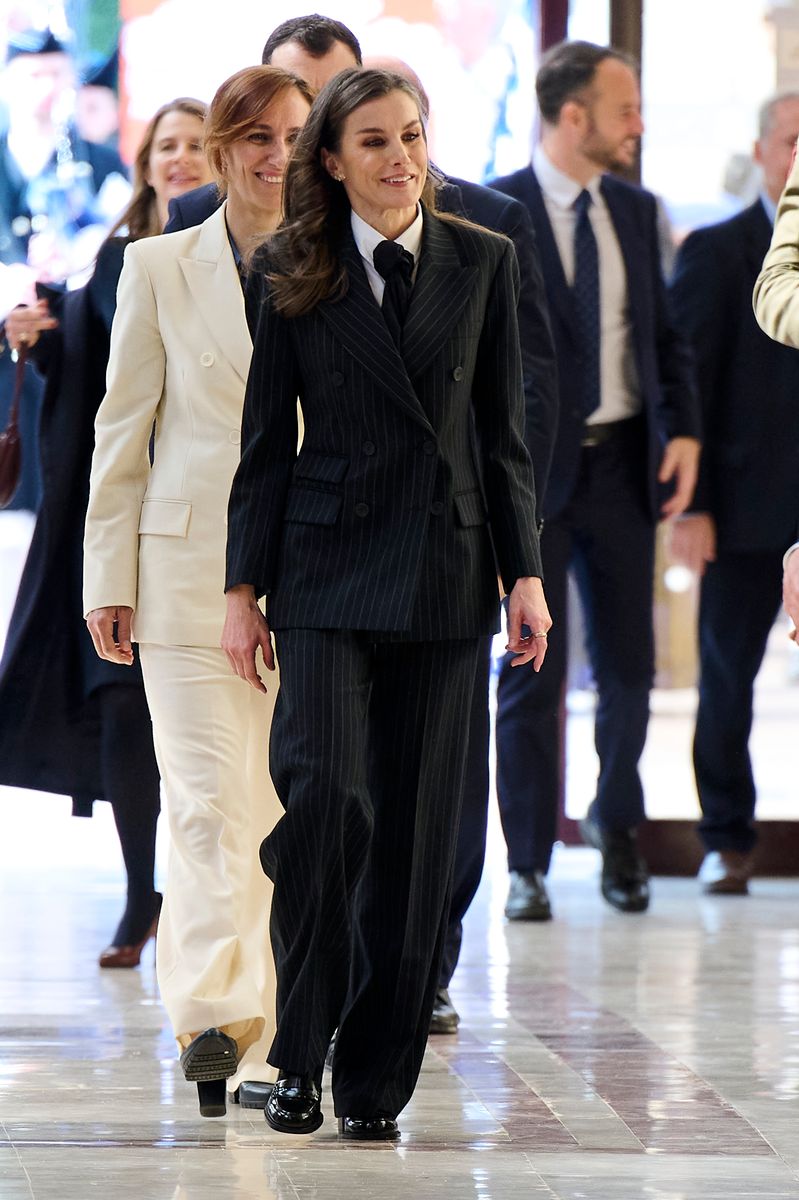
(141, 214)
(305, 267)
(238, 105)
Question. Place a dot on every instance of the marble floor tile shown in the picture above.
(599, 1057)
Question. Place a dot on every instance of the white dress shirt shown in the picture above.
(368, 239)
(619, 389)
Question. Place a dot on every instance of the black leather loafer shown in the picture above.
(252, 1093)
(295, 1105)
(368, 1129)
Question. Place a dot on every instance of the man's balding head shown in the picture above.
(387, 62)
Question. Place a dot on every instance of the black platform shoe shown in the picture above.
(295, 1105)
(368, 1129)
(208, 1061)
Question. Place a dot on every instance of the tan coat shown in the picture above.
(180, 354)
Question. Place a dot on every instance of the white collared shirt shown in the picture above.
(368, 239)
(620, 392)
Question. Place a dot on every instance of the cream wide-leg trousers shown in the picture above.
(214, 957)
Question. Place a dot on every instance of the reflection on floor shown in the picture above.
(600, 1057)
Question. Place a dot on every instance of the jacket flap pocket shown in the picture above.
(470, 508)
(325, 468)
(167, 517)
(311, 507)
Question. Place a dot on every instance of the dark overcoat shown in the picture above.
(49, 719)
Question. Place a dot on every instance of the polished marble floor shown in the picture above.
(600, 1057)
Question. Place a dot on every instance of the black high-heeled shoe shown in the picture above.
(210, 1059)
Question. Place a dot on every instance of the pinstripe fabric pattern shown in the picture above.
(388, 520)
(367, 753)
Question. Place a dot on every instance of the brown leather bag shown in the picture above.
(10, 441)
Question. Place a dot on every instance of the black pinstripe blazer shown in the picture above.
(382, 521)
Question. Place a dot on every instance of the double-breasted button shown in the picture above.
(234, 436)
(337, 378)
(429, 447)
(457, 374)
(436, 508)
(369, 448)
(362, 510)
(206, 359)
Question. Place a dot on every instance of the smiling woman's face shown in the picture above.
(253, 166)
(177, 162)
(382, 159)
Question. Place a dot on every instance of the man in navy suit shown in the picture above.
(628, 423)
(746, 507)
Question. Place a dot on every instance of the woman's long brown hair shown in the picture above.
(304, 263)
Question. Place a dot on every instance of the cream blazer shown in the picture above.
(776, 297)
(180, 354)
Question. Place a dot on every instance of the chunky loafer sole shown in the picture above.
(212, 1055)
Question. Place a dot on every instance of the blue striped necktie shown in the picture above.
(586, 301)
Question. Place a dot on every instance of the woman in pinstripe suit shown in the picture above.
(377, 547)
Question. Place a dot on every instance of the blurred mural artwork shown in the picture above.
(476, 59)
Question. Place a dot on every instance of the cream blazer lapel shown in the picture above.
(213, 280)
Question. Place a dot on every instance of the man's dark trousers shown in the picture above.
(606, 536)
(732, 641)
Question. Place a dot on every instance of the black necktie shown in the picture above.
(395, 264)
(586, 300)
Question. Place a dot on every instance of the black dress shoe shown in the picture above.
(445, 1017)
(625, 879)
(368, 1129)
(527, 897)
(294, 1105)
(208, 1061)
(252, 1093)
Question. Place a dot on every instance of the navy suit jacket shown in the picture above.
(504, 215)
(662, 356)
(748, 386)
(381, 522)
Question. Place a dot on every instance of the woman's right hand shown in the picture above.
(245, 630)
(24, 324)
(110, 630)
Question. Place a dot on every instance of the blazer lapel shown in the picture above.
(442, 288)
(634, 250)
(213, 280)
(358, 324)
(758, 236)
(557, 288)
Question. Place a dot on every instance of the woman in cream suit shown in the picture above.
(154, 574)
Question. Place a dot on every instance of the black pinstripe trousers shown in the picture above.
(367, 750)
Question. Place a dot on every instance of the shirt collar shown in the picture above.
(367, 238)
(561, 189)
(769, 206)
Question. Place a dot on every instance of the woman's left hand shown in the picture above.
(110, 629)
(527, 606)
